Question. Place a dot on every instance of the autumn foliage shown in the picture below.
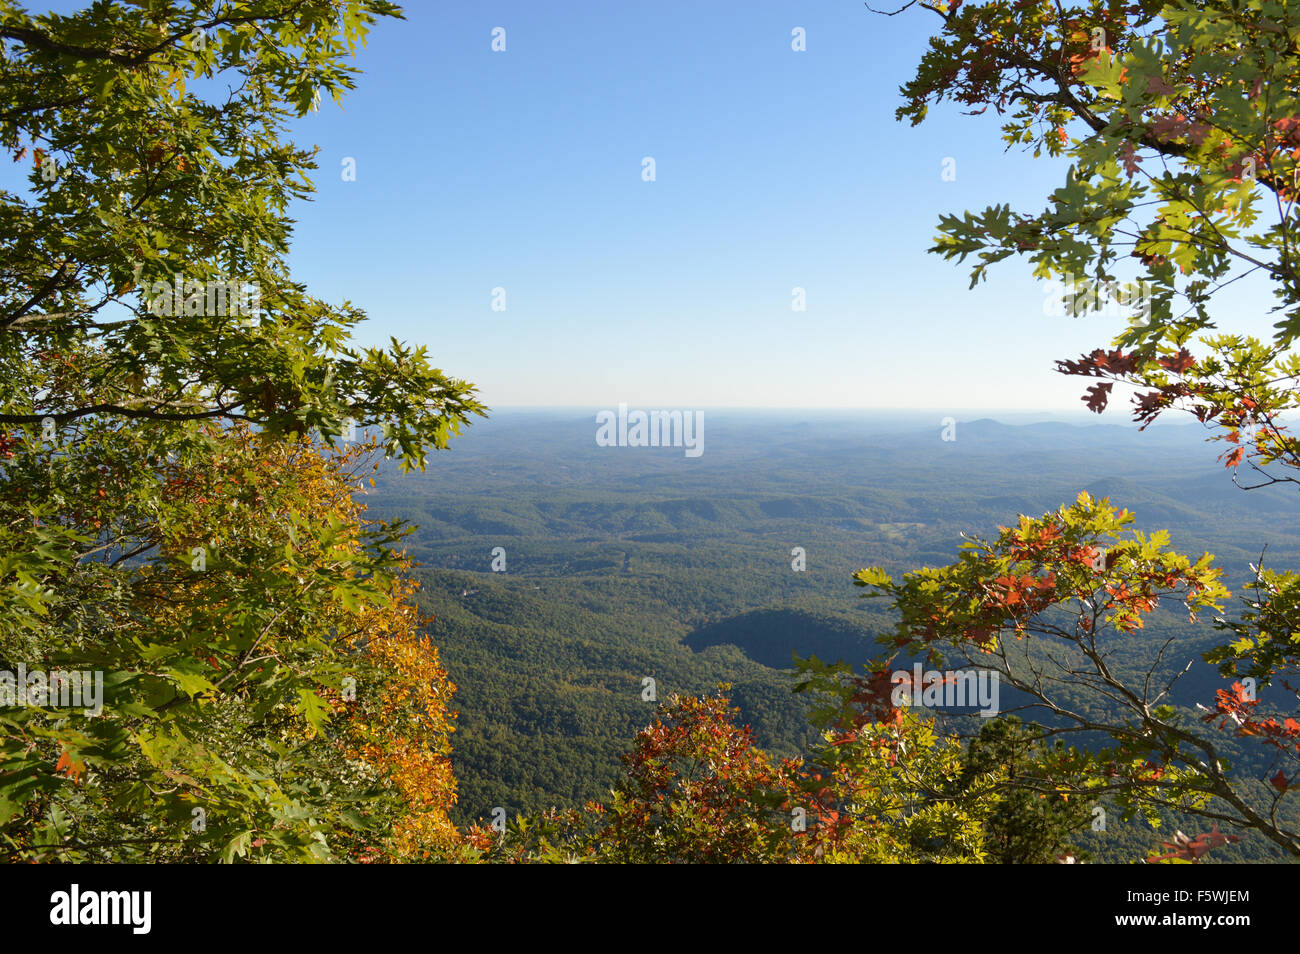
(270, 694)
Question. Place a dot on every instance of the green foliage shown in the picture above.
(886, 784)
(144, 178)
(1183, 179)
(1203, 87)
(166, 523)
(1032, 822)
(224, 644)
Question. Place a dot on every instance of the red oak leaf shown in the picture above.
(1097, 397)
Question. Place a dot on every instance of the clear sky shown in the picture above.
(774, 169)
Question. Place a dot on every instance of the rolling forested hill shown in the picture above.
(621, 564)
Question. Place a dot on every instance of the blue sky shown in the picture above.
(775, 169)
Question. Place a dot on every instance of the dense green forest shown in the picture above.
(627, 563)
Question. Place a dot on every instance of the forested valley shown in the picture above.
(623, 564)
